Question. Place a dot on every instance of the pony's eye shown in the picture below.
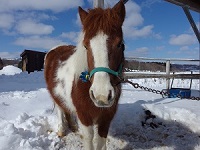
(85, 47)
(120, 45)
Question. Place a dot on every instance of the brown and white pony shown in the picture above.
(94, 102)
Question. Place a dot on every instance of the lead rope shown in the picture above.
(161, 92)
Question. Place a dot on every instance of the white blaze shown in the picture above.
(101, 86)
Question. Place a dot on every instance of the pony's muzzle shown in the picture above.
(102, 100)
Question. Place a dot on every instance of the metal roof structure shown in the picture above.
(191, 4)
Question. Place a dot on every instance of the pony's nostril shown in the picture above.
(110, 95)
(92, 94)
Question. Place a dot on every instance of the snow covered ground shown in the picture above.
(28, 120)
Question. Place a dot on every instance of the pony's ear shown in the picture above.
(83, 14)
(119, 8)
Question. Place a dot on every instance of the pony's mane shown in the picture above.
(99, 19)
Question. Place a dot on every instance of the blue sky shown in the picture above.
(152, 28)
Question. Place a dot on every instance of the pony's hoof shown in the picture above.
(74, 128)
(49, 131)
(61, 134)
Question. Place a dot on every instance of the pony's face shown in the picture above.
(103, 40)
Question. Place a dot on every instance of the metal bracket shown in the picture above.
(192, 23)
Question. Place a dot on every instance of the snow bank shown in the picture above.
(10, 70)
(28, 120)
(22, 82)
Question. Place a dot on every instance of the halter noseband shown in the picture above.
(86, 76)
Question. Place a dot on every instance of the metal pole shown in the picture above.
(167, 73)
(192, 23)
(191, 81)
(172, 80)
(125, 1)
(99, 3)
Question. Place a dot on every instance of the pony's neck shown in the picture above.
(80, 61)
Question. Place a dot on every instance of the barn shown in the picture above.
(32, 60)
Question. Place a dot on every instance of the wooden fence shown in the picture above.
(167, 74)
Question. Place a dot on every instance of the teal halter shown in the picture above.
(108, 70)
(86, 76)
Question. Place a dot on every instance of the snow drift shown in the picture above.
(28, 120)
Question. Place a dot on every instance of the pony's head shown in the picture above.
(103, 40)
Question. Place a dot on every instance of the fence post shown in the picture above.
(98, 3)
(167, 73)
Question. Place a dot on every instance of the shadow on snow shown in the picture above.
(127, 126)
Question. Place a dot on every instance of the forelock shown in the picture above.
(101, 20)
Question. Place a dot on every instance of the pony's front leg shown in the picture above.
(62, 125)
(87, 133)
(99, 142)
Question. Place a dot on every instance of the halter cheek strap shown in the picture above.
(86, 76)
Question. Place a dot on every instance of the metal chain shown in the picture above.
(161, 92)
